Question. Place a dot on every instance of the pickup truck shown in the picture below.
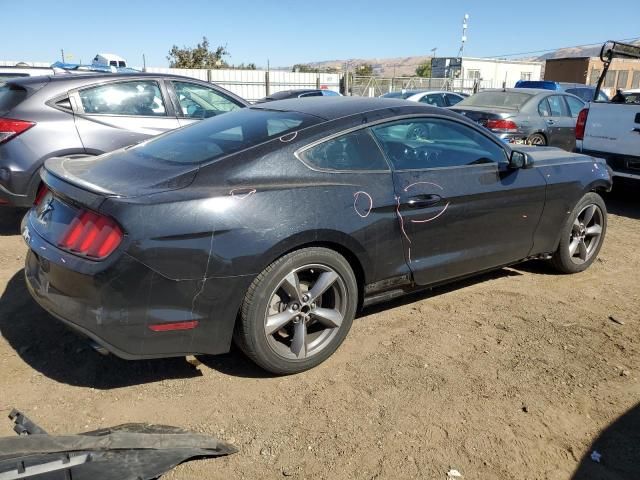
(612, 130)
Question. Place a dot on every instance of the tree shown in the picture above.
(304, 68)
(364, 70)
(198, 57)
(243, 66)
(424, 69)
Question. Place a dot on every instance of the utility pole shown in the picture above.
(144, 63)
(62, 52)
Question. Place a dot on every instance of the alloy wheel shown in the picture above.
(586, 233)
(305, 311)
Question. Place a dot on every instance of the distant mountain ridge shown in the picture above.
(406, 66)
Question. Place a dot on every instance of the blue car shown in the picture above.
(585, 92)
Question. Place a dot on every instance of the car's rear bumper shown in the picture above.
(117, 306)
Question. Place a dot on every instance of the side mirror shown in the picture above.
(519, 160)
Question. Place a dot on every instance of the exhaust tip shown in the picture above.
(98, 348)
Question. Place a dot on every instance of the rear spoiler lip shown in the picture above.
(71, 189)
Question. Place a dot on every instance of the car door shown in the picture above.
(574, 105)
(118, 113)
(194, 101)
(561, 123)
(461, 210)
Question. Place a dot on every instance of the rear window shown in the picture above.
(222, 135)
(10, 96)
(500, 99)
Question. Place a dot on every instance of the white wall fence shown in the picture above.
(255, 84)
(376, 86)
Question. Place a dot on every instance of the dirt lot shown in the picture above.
(511, 375)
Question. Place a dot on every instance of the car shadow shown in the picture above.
(10, 219)
(618, 450)
(624, 200)
(50, 348)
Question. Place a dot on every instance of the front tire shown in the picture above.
(582, 235)
(298, 311)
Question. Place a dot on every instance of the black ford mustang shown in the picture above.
(274, 224)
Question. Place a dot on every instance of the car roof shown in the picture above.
(331, 108)
(534, 91)
(82, 77)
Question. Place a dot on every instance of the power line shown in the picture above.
(560, 48)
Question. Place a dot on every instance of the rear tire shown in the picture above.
(537, 139)
(582, 235)
(298, 311)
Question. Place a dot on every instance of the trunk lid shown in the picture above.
(120, 174)
(482, 115)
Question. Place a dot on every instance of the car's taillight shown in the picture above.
(42, 192)
(92, 235)
(581, 123)
(502, 125)
(10, 128)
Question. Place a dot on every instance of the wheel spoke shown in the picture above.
(291, 286)
(278, 320)
(594, 230)
(582, 250)
(328, 317)
(299, 342)
(322, 284)
(573, 246)
(588, 214)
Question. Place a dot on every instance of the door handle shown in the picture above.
(423, 201)
(550, 122)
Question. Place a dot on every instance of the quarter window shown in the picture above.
(124, 98)
(198, 101)
(353, 151)
(436, 143)
(452, 99)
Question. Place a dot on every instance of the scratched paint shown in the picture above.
(242, 193)
(430, 219)
(289, 137)
(362, 212)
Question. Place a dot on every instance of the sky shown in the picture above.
(286, 32)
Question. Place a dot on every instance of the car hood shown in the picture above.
(544, 156)
(120, 174)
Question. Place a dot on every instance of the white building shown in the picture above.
(492, 73)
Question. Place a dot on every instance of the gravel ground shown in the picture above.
(517, 374)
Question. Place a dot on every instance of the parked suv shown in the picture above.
(90, 114)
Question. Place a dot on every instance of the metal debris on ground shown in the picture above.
(134, 451)
(615, 320)
(453, 473)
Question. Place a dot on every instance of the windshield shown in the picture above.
(222, 135)
(494, 98)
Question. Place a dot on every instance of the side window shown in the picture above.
(452, 99)
(310, 94)
(141, 97)
(575, 106)
(543, 108)
(198, 101)
(353, 151)
(436, 143)
(329, 93)
(434, 99)
(556, 106)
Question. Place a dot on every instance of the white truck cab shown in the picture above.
(612, 130)
(109, 60)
